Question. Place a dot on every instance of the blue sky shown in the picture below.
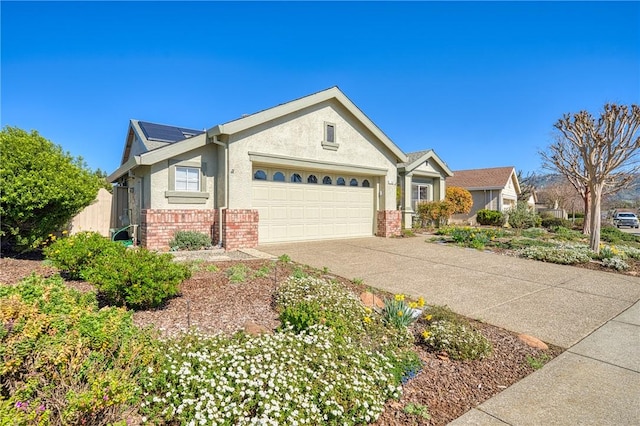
(480, 82)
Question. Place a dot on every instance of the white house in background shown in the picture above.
(492, 189)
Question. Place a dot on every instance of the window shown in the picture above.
(353, 182)
(329, 141)
(365, 183)
(187, 179)
(296, 178)
(326, 180)
(420, 194)
(260, 175)
(340, 181)
(330, 133)
(278, 177)
(312, 179)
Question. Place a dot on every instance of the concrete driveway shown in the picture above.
(558, 304)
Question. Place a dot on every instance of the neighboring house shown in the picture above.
(421, 178)
(493, 189)
(313, 168)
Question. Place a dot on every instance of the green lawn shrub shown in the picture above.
(190, 240)
(562, 254)
(447, 332)
(551, 222)
(76, 253)
(566, 234)
(522, 217)
(63, 360)
(490, 217)
(613, 235)
(137, 279)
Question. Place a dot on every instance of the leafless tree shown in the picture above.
(596, 156)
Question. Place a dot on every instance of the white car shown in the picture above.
(626, 219)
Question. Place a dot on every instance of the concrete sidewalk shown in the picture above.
(597, 381)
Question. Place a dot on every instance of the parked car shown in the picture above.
(626, 219)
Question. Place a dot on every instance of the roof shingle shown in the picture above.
(496, 177)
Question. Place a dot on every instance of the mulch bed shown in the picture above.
(211, 303)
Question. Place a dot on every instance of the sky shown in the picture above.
(481, 83)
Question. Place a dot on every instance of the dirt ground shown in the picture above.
(210, 302)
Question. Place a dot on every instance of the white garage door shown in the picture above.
(298, 211)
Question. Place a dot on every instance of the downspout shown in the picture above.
(226, 187)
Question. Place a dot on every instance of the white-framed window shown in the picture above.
(420, 193)
(260, 175)
(187, 179)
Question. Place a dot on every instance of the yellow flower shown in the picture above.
(367, 310)
(367, 319)
(413, 305)
(420, 302)
(53, 238)
(400, 313)
(89, 254)
(65, 232)
(426, 334)
(399, 297)
(428, 317)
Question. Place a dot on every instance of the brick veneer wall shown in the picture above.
(240, 229)
(389, 223)
(157, 227)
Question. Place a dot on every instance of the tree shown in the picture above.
(599, 155)
(459, 198)
(526, 186)
(43, 187)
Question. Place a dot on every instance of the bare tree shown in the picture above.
(596, 156)
(526, 185)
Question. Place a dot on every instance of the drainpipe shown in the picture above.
(226, 186)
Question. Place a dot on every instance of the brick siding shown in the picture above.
(240, 229)
(389, 223)
(157, 227)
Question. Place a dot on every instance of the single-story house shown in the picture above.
(492, 189)
(309, 169)
(421, 178)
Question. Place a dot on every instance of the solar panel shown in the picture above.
(163, 133)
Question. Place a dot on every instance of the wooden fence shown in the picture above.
(95, 217)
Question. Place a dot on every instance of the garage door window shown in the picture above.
(326, 180)
(260, 175)
(296, 178)
(278, 177)
(353, 182)
(312, 179)
(365, 183)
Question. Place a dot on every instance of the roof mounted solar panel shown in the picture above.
(163, 133)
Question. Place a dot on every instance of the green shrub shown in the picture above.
(613, 235)
(238, 273)
(190, 240)
(43, 187)
(550, 222)
(138, 278)
(562, 233)
(458, 340)
(490, 217)
(533, 232)
(64, 361)
(615, 263)
(78, 252)
(522, 217)
(433, 212)
(565, 255)
(472, 237)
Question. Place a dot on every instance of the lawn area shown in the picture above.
(238, 342)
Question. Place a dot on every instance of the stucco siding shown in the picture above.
(300, 136)
(159, 177)
(137, 148)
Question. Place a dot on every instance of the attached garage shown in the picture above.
(302, 207)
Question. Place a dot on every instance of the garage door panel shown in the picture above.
(297, 212)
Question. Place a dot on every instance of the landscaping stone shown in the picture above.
(370, 300)
(254, 329)
(533, 342)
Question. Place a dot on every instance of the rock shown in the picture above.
(371, 300)
(533, 342)
(253, 329)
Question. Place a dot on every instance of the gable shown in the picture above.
(478, 179)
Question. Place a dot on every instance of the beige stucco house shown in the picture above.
(493, 189)
(421, 178)
(313, 168)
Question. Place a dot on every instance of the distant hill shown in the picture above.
(629, 196)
